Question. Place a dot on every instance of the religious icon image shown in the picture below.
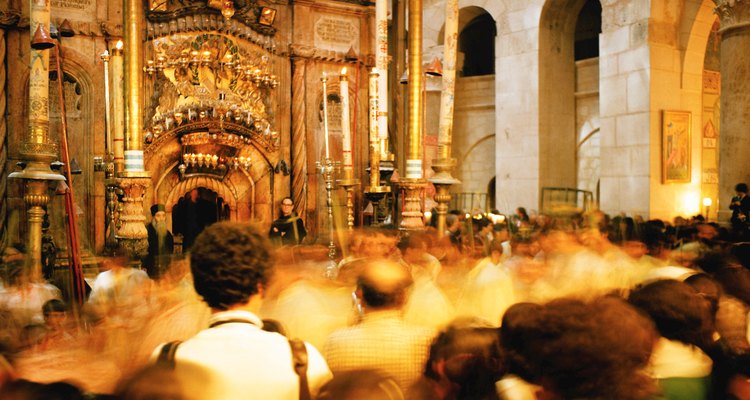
(676, 146)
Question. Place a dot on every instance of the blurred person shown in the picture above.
(518, 323)
(465, 362)
(501, 234)
(381, 340)
(728, 315)
(26, 294)
(56, 322)
(679, 362)
(152, 382)
(288, 228)
(427, 304)
(231, 265)
(525, 271)
(740, 206)
(598, 349)
(738, 386)
(453, 225)
(415, 256)
(160, 242)
(488, 288)
(361, 384)
(27, 390)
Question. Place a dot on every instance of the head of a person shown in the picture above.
(466, 360)
(452, 222)
(230, 262)
(519, 322)
(413, 247)
(361, 384)
(194, 195)
(678, 311)
(496, 251)
(159, 213)
(591, 350)
(384, 285)
(741, 188)
(287, 206)
(708, 289)
(55, 313)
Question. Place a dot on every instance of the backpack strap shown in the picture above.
(299, 362)
(167, 354)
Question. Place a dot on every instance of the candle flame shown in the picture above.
(374, 70)
(343, 71)
(119, 45)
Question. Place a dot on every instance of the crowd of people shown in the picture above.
(516, 308)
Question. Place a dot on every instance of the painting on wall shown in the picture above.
(675, 146)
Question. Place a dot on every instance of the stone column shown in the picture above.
(734, 164)
(299, 130)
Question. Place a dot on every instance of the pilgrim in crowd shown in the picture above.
(517, 307)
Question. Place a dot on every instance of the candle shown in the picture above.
(374, 145)
(107, 123)
(381, 62)
(345, 127)
(325, 114)
(118, 107)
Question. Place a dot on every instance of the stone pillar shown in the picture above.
(734, 164)
(299, 130)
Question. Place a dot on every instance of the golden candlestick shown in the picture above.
(36, 150)
(374, 192)
(348, 182)
(443, 180)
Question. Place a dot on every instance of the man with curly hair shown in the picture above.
(235, 358)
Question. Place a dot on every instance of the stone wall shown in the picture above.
(474, 133)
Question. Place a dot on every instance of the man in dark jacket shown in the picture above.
(288, 229)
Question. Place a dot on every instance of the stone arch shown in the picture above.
(557, 71)
(695, 27)
(472, 168)
(82, 140)
(222, 189)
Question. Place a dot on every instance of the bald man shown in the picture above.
(381, 340)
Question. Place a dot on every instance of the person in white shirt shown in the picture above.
(235, 358)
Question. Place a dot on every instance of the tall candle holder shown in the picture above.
(374, 192)
(347, 182)
(327, 169)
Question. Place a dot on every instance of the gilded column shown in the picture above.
(134, 181)
(299, 131)
(118, 108)
(36, 151)
(414, 183)
(734, 165)
(443, 180)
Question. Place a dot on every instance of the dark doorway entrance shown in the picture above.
(195, 211)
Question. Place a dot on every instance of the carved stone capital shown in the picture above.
(110, 28)
(9, 18)
(301, 51)
(732, 13)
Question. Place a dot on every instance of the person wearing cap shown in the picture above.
(160, 242)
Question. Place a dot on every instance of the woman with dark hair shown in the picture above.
(679, 362)
(465, 362)
(595, 350)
